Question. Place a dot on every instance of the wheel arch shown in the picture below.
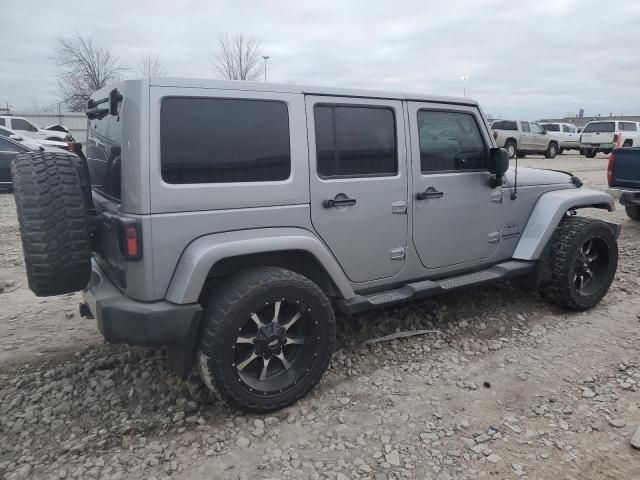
(209, 258)
(547, 213)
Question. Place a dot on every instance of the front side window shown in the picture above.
(355, 141)
(220, 140)
(20, 124)
(566, 129)
(7, 146)
(450, 141)
(2, 122)
(535, 128)
(525, 127)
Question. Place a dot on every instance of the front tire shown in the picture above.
(582, 264)
(267, 338)
(633, 211)
(552, 150)
(511, 148)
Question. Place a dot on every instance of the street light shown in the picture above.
(266, 57)
(465, 79)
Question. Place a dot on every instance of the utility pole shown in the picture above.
(266, 57)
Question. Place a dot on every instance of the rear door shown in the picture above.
(358, 180)
(456, 214)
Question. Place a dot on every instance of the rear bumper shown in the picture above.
(625, 196)
(598, 146)
(123, 320)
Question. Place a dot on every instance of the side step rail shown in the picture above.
(429, 288)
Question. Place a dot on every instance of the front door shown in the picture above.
(358, 182)
(456, 214)
(540, 137)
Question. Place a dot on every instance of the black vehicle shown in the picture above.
(8, 151)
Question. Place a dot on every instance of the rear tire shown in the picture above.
(267, 338)
(590, 153)
(510, 147)
(633, 211)
(552, 150)
(582, 265)
(54, 227)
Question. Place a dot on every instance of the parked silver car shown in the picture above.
(229, 220)
(524, 138)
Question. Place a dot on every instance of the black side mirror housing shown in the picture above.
(498, 165)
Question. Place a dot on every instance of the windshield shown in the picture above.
(601, 127)
(104, 138)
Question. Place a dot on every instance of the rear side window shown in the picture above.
(551, 127)
(220, 140)
(450, 141)
(525, 127)
(602, 127)
(2, 122)
(504, 125)
(355, 141)
(628, 126)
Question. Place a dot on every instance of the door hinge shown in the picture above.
(398, 253)
(494, 237)
(399, 207)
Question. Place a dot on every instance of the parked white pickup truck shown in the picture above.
(524, 137)
(604, 136)
(567, 134)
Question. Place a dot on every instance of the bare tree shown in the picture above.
(238, 58)
(84, 68)
(150, 66)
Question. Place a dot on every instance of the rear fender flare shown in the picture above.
(547, 213)
(202, 254)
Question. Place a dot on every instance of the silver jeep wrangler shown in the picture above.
(228, 221)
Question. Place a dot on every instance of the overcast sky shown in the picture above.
(525, 59)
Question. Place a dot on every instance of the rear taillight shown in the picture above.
(610, 167)
(130, 240)
(495, 135)
(74, 147)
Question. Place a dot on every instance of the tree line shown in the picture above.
(85, 67)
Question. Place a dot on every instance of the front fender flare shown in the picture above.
(202, 254)
(548, 212)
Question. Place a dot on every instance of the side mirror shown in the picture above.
(15, 137)
(498, 165)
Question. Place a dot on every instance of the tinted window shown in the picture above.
(504, 125)
(551, 127)
(2, 122)
(628, 126)
(525, 126)
(20, 124)
(603, 127)
(4, 132)
(355, 141)
(216, 140)
(573, 129)
(450, 141)
(535, 128)
(7, 146)
(566, 129)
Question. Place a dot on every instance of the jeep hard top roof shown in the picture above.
(303, 89)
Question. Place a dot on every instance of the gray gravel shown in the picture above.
(506, 387)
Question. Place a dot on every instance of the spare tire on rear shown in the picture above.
(50, 195)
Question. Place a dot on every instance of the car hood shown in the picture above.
(538, 176)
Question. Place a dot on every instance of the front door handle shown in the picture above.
(429, 193)
(340, 200)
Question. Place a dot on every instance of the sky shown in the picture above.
(524, 59)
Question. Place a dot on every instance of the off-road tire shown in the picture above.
(590, 153)
(227, 307)
(54, 226)
(552, 150)
(508, 145)
(633, 211)
(570, 235)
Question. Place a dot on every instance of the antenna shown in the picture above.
(514, 194)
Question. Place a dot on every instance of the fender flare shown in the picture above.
(547, 213)
(203, 253)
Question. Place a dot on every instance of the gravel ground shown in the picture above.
(503, 386)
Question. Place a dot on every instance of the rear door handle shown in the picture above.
(340, 200)
(429, 193)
